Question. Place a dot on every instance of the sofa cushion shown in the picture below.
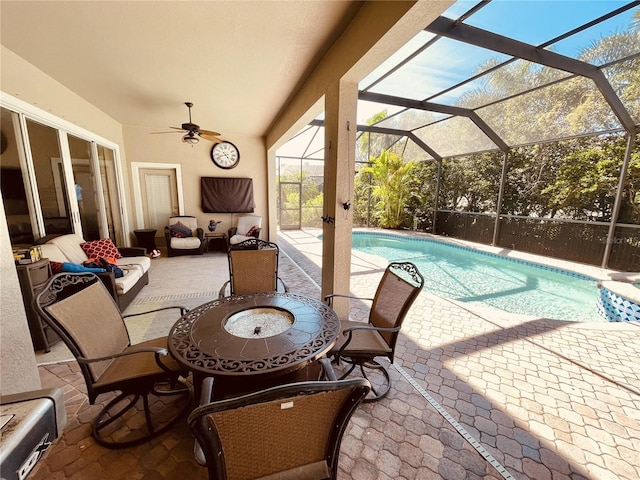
(128, 280)
(183, 243)
(53, 253)
(100, 248)
(69, 245)
(246, 222)
(238, 239)
(141, 264)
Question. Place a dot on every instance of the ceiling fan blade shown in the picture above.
(209, 132)
(179, 128)
(211, 136)
(173, 131)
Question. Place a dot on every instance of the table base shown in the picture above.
(225, 386)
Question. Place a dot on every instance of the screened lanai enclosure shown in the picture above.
(510, 123)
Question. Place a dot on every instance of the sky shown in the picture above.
(530, 21)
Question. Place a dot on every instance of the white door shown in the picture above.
(159, 196)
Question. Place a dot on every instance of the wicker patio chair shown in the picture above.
(361, 343)
(81, 311)
(253, 268)
(288, 432)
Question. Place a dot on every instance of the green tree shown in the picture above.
(586, 182)
(389, 192)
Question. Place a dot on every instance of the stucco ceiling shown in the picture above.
(139, 61)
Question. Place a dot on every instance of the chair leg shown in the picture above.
(378, 389)
(129, 431)
(380, 386)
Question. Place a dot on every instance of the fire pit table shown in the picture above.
(250, 342)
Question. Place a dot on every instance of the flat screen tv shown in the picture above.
(227, 195)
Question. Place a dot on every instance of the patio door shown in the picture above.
(290, 200)
(160, 200)
(55, 182)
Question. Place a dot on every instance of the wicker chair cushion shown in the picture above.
(364, 342)
(253, 271)
(247, 222)
(278, 436)
(143, 364)
(393, 298)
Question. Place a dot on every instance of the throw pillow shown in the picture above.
(100, 248)
(176, 234)
(252, 231)
(56, 267)
(181, 228)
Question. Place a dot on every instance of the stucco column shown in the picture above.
(341, 100)
(19, 372)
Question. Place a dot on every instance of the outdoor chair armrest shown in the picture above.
(328, 298)
(284, 285)
(156, 350)
(349, 333)
(109, 281)
(327, 370)
(182, 308)
(221, 293)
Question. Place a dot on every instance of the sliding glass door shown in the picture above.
(55, 182)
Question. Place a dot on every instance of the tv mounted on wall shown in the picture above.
(227, 195)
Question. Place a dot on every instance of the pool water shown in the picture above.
(472, 277)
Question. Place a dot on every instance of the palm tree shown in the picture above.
(390, 177)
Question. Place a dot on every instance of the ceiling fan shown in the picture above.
(193, 132)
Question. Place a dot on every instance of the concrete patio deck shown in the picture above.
(476, 394)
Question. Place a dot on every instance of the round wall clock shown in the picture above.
(225, 155)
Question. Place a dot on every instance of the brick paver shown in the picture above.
(547, 399)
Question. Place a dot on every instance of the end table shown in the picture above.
(209, 236)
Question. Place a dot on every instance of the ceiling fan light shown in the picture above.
(191, 139)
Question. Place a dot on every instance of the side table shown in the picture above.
(146, 238)
(209, 236)
(33, 277)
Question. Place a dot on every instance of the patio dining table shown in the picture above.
(254, 341)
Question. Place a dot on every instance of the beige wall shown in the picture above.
(143, 146)
(24, 82)
(379, 29)
(18, 372)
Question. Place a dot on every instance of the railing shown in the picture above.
(574, 240)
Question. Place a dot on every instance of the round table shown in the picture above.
(200, 341)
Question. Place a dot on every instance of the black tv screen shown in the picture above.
(227, 195)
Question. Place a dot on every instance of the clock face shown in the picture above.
(225, 155)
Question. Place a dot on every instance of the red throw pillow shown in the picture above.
(252, 231)
(56, 267)
(100, 248)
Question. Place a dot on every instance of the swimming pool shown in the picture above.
(475, 277)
